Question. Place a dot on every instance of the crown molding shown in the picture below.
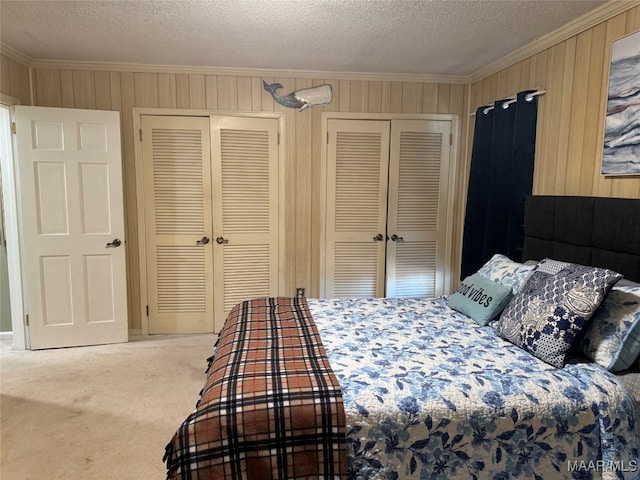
(15, 55)
(579, 25)
(247, 72)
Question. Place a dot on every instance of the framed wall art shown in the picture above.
(621, 155)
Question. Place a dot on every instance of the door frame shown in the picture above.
(454, 158)
(20, 337)
(138, 112)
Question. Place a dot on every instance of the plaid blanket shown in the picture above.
(271, 407)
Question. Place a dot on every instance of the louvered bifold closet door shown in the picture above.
(416, 222)
(178, 222)
(357, 174)
(245, 193)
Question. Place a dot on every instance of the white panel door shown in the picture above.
(357, 176)
(70, 181)
(417, 209)
(245, 211)
(178, 221)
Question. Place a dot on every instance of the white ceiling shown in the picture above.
(436, 37)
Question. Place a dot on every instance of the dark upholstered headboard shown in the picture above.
(602, 232)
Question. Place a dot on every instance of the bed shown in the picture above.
(413, 388)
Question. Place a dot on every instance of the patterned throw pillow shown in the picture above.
(503, 270)
(553, 307)
(613, 336)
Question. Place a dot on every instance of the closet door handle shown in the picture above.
(378, 238)
(202, 241)
(116, 243)
(221, 240)
(396, 238)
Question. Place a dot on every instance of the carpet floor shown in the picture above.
(100, 412)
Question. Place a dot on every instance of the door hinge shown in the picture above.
(13, 128)
(327, 138)
(140, 133)
(26, 320)
(147, 310)
(451, 139)
(278, 138)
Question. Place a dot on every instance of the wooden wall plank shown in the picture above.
(595, 109)
(227, 92)
(525, 75)
(374, 101)
(395, 101)
(197, 92)
(513, 79)
(385, 103)
(345, 95)
(443, 98)
(211, 92)
(316, 208)
(128, 101)
(412, 97)
(429, 97)
(256, 94)
(357, 100)
(244, 94)
(575, 137)
(48, 89)
(6, 69)
(84, 89)
(183, 95)
(116, 92)
(103, 90)
(565, 116)
(146, 90)
(14, 80)
(66, 87)
(167, 90)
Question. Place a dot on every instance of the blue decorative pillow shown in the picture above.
(503, 270)
(613, 336)
(480, 298)
(553, 307)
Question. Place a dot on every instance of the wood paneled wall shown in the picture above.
(122, 91)
(14, 80)
(571, 114)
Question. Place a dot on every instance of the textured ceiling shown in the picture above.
(439, 37)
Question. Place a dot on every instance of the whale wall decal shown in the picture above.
(303, 98)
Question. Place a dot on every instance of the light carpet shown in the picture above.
(100, 412)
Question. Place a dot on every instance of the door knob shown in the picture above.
(202, 241)
(221, 240)
(396, 238)
(114, 244)
(378, 238)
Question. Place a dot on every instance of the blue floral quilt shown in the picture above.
(430, 394)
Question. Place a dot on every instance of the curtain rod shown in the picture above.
(512, 99)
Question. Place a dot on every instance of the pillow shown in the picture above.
(613, 336)
(503, 270)
(480, 298)
(553, 307)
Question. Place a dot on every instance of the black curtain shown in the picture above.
(500, 179)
